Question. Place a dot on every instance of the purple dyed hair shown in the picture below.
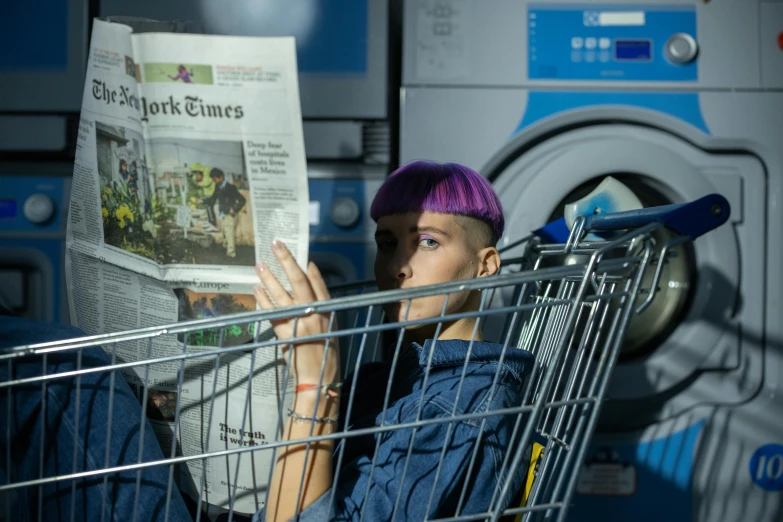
(447, 188)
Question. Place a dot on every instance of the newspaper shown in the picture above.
(162, 116)
(190, 161)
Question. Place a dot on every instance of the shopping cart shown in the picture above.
(571, 316)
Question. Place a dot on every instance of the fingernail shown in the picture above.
(276, 245)
(257, 289)
(260, 267)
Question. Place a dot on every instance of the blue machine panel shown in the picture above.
(353, 254)
(9, 208)
(653, 473)
(36, 248)
(48, 257)
(14, 191)
(681, 105)
(324, 192)
(338, 241)
(607, 42)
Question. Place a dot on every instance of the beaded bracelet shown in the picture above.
(328, 389)
(302, 418)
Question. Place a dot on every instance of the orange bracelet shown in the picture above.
(329, 389)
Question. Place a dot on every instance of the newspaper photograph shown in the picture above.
(188, 169)
(196, 304)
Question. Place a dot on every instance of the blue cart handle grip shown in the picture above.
(692, 219)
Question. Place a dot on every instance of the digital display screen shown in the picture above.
(7, 208)
(630, 50)
(621, 19)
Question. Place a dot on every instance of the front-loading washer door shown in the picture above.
(693, 325)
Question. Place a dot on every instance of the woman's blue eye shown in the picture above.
(428, 242)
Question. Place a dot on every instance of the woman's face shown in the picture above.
(418, 249)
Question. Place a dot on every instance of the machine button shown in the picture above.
(345, 212)
(39, 208)
(681, 48)
(780, 40)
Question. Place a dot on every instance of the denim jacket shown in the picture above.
(360, 486)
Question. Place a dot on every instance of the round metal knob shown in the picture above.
(39, 208)
(344, 212)
(681, 48)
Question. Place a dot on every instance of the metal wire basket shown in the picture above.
(569, 319)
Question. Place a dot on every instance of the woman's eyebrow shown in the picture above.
(383, 233)
(429, 229)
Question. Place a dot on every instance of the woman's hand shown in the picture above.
(305, 288)
(312, 460)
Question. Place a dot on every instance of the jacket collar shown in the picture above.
(453, 352)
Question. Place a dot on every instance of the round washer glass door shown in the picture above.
(674, 337)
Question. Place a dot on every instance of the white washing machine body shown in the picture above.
(680, 99)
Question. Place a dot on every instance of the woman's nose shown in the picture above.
(399, 267)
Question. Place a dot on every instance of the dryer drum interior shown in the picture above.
(647, 330)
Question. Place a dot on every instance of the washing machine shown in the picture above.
(676, 99)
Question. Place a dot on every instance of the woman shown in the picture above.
(435, 223)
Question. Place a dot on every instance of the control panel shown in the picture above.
(336, 208)
(33, 214)
(29, 206)
(612, 42)
(341, 230)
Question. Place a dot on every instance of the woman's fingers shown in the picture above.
(262, 299)
(273, 287)
(304, 287)
(300, 284)
(317, 282)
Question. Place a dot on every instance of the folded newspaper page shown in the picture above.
(212, 396)
(190, 161)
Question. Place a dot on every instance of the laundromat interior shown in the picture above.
(546, 99)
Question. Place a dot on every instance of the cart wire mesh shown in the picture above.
(569, 317)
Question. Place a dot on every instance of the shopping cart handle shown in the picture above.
(688, 219)
(692, 219)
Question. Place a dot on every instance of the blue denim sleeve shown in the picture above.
(375, 488)
(318, 511)
(44, 432)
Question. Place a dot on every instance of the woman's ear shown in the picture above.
(489, 262)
